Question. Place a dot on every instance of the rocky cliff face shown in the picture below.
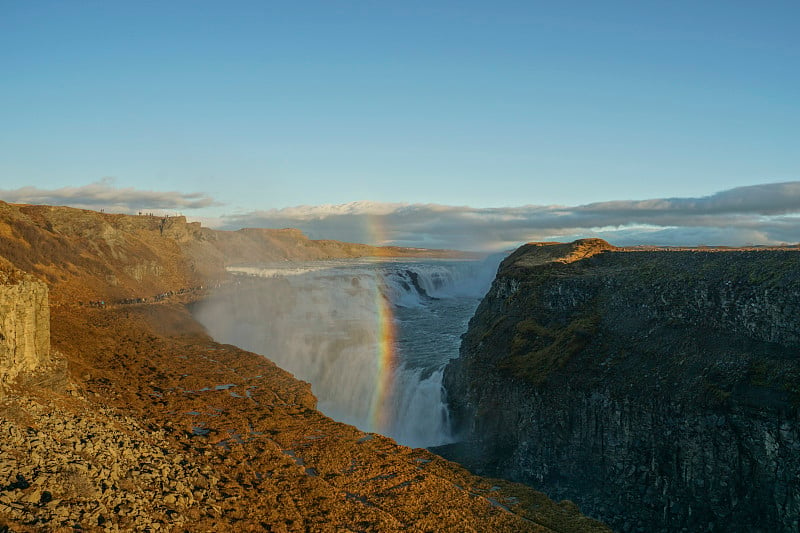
(657, 389)
(24, 326)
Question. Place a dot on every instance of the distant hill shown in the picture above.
(85, 255)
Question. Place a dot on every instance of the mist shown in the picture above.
(327, 324)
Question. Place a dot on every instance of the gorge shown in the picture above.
(134, 418)
(654, 388)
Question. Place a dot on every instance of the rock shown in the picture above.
(624, 376)
(33, 496)
(25, 328)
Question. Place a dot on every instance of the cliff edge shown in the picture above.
(656, 388)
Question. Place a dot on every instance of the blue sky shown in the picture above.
(261, 106)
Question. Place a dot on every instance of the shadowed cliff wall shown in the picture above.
(659, 390)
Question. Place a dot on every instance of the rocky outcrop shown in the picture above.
(24, 326)
(656, 389)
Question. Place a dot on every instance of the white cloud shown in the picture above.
(104, 195)
(760, 214)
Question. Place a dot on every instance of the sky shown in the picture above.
(473, 125)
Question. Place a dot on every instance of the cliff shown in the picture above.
(657, 389)
(164, 429)
(24, 326)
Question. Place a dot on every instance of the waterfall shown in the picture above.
(321, 322)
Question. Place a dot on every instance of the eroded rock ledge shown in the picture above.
(658, 389)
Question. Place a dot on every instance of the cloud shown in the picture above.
(104, 195)
(759, 214)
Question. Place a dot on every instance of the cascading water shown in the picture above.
(371, 337)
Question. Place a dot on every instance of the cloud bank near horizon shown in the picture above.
(104, 195)
(757, 214)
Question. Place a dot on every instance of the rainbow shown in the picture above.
(385, 350)
(379, 413)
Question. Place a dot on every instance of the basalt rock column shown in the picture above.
(24, 326)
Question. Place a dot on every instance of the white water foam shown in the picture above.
(319, 321)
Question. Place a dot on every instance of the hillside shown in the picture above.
(657, 388)
(135, 419)
(85, 255)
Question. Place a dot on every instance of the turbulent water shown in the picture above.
(331, 323)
